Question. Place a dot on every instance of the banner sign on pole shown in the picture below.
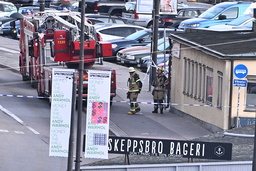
(61, 100)
(166, 6)
(97, 121)
(170, 148)
(240, 83)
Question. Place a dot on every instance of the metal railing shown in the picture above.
(209, 166)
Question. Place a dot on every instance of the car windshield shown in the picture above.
(165, 44)
(136, 35)
(211, 12)
(159, 42)
(10, 13)
(239, 21)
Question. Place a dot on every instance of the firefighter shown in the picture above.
(159, 84)
(135, 85)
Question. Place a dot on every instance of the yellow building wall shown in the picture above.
(216, 116)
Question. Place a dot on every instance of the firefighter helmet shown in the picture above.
(159, 69)
(131, 69)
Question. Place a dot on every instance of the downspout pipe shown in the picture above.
(230, 94)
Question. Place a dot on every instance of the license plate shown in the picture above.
(122, 62)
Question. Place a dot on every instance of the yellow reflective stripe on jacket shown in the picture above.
(133, 90)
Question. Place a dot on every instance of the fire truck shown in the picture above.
(52, 40)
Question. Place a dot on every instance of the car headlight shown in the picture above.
(114, 46)
(194, 25)
(131, 57)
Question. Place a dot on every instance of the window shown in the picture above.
(119, 31)
(200, 73)
(181, 14)
(196, 81)
(251, 93)
(189, 77)
(9, 8)
(231, 13)
(185, 77)
(192, 80)
(146, 38)
(209, 85)
(220, 88)
(192, 14)
(108, 31)
(203, 83)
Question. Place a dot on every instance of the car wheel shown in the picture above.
(150, 24)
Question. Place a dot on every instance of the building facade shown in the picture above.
(202, 86)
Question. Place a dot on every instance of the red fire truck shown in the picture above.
(53, 40)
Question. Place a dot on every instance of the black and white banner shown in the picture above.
(170, 148)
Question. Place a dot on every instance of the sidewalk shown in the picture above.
(182, 128)
(186, 129)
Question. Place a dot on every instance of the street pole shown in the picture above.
(80, 91)
(155, 36)
(42, 5)
(71, 136)
(238, 105)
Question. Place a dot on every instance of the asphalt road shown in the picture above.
(145, 124)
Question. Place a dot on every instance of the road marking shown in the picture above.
(19, 132)
(9, 50)
(17, 119)
(3, 130)
(116, 130)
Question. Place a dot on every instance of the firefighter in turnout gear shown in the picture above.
(135, 85)
(159, 84)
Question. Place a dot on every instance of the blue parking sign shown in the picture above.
(241, 71)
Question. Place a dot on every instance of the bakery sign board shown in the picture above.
(170, 148)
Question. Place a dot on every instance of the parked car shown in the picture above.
(7, 8)
(10, 29)
(34, 9)
(110, 7)
(141, 19)
(218, 14)
(139, 38)
(124, 51)
(10, 26)
(144, 62)
(132, 57)
(9, 17)
(184, 13)
(109, 31)
(244, 22)
(106, 18)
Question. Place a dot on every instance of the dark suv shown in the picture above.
(184, 13)
(138, 38)
(111, 7)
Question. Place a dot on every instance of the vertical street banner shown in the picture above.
(61, 100)
(97, 121)
(168, 6)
